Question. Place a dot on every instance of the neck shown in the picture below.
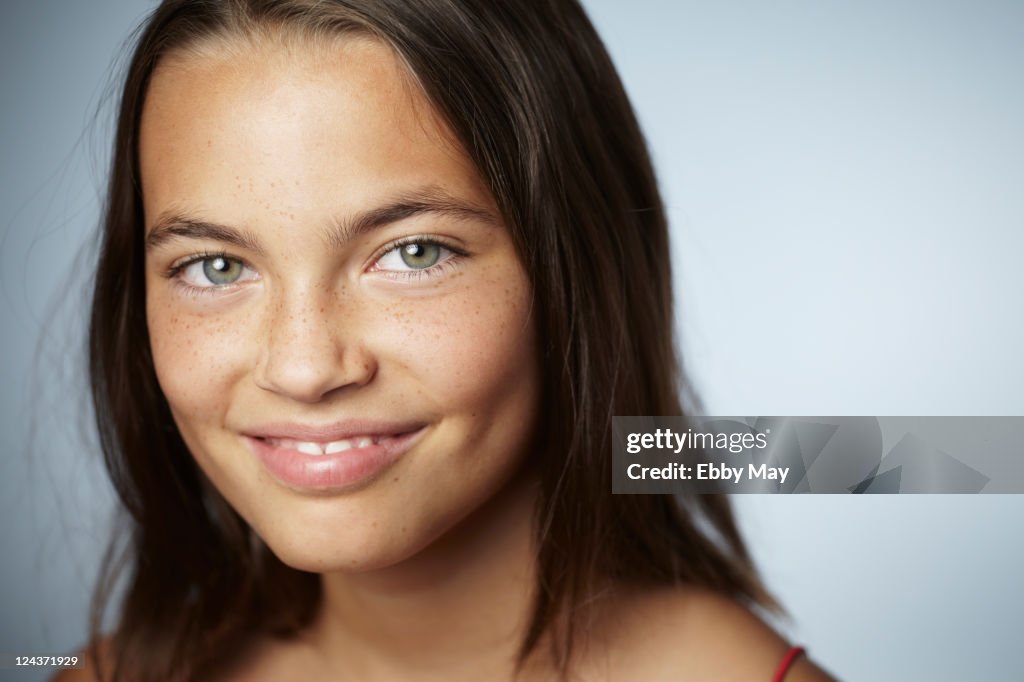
(456, 610)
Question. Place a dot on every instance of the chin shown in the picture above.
(351, 547)
(343, 556)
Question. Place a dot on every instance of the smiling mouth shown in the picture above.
(316, 448)
(324, 466)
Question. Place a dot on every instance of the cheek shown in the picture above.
(197, 357)
(469, 347)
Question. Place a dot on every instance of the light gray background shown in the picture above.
(845, 187)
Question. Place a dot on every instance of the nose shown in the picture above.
(311, 349)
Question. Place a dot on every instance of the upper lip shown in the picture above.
(327, 433)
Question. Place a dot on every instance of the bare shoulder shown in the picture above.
(90, 671)
(261, 658)
(688, 634)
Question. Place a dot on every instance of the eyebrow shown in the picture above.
(339, 232)
(176, 225)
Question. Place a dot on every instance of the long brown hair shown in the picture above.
(530, 91)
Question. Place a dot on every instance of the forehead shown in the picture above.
(292, 128)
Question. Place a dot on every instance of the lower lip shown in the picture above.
(335, 472)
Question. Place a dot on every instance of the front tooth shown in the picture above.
(365, 442)
(338, 446)
(309, 448)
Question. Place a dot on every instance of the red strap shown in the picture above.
(787, 661)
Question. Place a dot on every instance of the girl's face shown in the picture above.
(338, 317)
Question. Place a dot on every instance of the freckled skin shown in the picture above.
(281, 143)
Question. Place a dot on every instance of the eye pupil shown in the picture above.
(222, 270)
(420, 256)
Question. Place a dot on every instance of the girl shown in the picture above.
(375, 277)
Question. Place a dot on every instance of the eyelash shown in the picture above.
(174, 273)
(440, 268)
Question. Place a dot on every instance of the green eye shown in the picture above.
(213, 273)
(416, 259)
(420, 256)
(222, 270)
